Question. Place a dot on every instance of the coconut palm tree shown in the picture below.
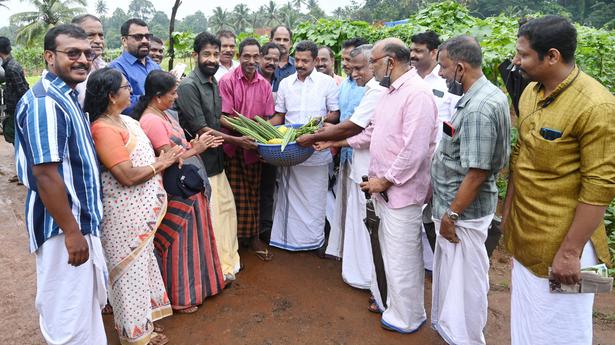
(219, 20)
(101, 8)
(289, 16)
(271, 13)
(241, 19)
(34, 24)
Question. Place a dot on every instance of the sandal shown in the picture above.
(107, 310)
(264, 255)
(158, 328)
(158, 339)
(373, 307)
(187, 310)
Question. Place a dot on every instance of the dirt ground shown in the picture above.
(297, 298)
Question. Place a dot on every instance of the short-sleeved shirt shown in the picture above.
(302, 100)
(110, 143)
(200, 105)
(248, 97)
(481, 140)
(350, 97)
(135, 72)
(51, 128)
(283, 72)
(552, 176)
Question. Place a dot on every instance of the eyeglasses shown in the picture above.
(75, 54)
(373, 61)
(140, 37)
(127, 86)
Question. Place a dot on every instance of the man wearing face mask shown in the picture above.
(244, 90)
(423, 57)
(401, 139)
(474, 147)
(357, 262)
(94, 29)
(135, 62)
(199, 108)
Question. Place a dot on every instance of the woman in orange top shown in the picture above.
(134, 203)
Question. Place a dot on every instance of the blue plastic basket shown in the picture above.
(293, 153)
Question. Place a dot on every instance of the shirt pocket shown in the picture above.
(551, 156)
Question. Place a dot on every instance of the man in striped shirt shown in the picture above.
(56, 161)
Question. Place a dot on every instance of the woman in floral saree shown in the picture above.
(134, 204)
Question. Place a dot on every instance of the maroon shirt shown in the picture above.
(248, 97)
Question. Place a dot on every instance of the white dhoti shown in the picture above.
(402, 253)
(357, 260)
(70, 299)
(300, 209)
(224, 224)
(337, 222)
(461, 283)
(539, 317)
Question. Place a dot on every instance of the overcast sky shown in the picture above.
(187, 7)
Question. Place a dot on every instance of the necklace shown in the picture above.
(115, 119)
(159, 113)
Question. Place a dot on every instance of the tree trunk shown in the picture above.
(171, 29)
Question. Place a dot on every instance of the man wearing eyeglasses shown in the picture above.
(401, 139)
(135, 62)
(56, 161)
(94, 29)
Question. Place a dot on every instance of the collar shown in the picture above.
(538, 88)
(310, 77)
(434, 72)
(202, 78)
(478, 84)
(238, 72)
(291, 62)
(59, 84)
(131, 59)
(403, 79)
(372, 83)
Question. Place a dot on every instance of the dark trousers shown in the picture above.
(268, 182)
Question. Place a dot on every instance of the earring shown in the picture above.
(113, 101)
(158, 100)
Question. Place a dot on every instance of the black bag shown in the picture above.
(184, 181)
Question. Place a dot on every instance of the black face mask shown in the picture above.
(456, 87)
(386, 80)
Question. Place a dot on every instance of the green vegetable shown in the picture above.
(288, 137)
(269, 127)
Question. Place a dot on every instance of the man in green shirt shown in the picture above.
(562, 179)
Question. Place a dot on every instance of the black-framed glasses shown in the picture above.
(127, 86)
(140, 37)
(74, 54)
(373, 61)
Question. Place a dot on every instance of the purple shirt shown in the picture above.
(401, 139)
(248, 97)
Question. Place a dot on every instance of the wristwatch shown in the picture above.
(452, 215)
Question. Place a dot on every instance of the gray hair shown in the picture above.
(364, 49)
(463, 48)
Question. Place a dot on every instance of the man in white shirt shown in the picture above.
(94, 29)
(357, 262)
(228, 46)
(423, 57)
(299, 217)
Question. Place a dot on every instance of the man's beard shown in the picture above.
(208, 69)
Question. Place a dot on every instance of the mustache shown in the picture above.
(270, 65)
(80, 66)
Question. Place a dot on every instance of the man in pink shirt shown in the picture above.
(245, 91)
(401, 140)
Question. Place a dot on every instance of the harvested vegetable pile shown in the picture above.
(265, 133)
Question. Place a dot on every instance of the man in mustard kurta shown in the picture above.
(562, 179)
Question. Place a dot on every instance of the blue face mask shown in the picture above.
(455, 87)
(386, 80)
